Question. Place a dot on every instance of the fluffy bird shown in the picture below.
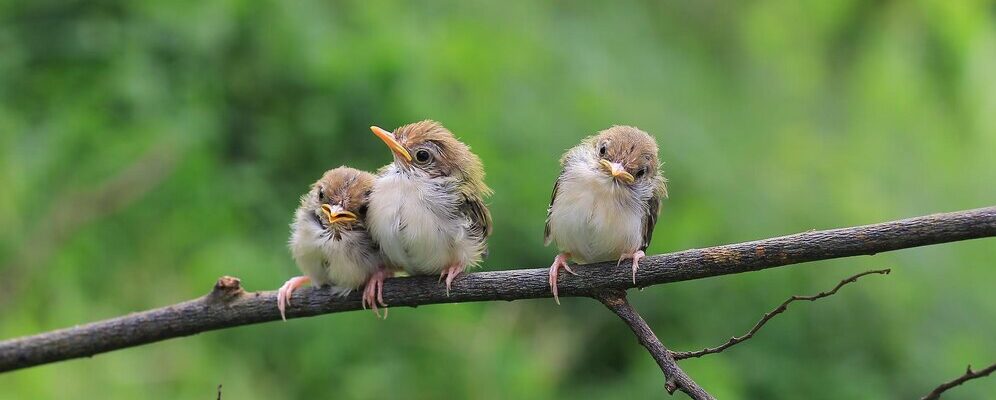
(427, 207)
(330, 242)
(606, 201)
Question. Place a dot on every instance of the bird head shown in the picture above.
(626, 154)
(338, 201)
(430, 149)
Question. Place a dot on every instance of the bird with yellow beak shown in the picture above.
(606, 201)
(330, 242)
(427, 207)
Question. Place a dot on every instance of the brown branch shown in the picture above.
(681, 355)
(674, 377)
(234, 307)
(969, 375)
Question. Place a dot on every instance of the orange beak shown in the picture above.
(617, 171)
(335, 217)
(391, 142)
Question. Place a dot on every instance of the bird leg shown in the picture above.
(560, 261)
(373, 291)
(636, 256)
(285, 292)
(451, 273)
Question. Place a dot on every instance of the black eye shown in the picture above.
(321, 194)
(641, 172)
(423, 156)
(363, 210)
(602, 150)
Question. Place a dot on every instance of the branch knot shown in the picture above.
(227, 288)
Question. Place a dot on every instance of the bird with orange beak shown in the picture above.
(606, 201)
(330, 242)
(427, 207)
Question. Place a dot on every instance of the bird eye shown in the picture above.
(602, 150)
(641, 172)
(321, 194)
(423, 156)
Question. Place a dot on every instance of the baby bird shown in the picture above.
(427, 207)
(605, 202)
(330, 242)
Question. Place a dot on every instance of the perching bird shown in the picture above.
(330, 242)
(606, 201)
(427, 208)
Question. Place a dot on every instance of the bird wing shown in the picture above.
(650, 220)
(553, 197)
(480, 218)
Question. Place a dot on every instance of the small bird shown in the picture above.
(427, 208)
(606, 200)
(330, 242)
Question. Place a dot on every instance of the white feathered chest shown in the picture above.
(417, 222)
(595, 219)
(345, 261)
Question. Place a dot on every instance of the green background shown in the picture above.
(147, 148)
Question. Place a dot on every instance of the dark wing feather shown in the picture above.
(553, 197)
(650, 220)
(480, 218)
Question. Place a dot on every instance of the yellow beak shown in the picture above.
(617, 171)
(337, 217)
(391, 142)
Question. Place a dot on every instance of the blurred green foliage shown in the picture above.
(147, 148)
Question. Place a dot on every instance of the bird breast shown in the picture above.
(345, 262)
(416, 221)
(594, 218)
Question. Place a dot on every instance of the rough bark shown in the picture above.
(674, 377)
(967, 376)
(228, 305)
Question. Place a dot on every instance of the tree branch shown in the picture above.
(969, 375)
(674, 377)
(681, 355)
(229, 306)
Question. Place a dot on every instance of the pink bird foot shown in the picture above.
(637, 256)
(561, 261)
(373, 292)
(285, 292)
(451, 273)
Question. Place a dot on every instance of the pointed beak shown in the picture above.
(391, 142)
(617, 171)
(337, 215)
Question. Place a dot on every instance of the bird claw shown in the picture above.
(451, 273)
(561, 261)
(373, 292)
(636, 256)
(285, 292)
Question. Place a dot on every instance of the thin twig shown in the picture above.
(969, 375)
(242, 308)
(674, 377)
(681, 355)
